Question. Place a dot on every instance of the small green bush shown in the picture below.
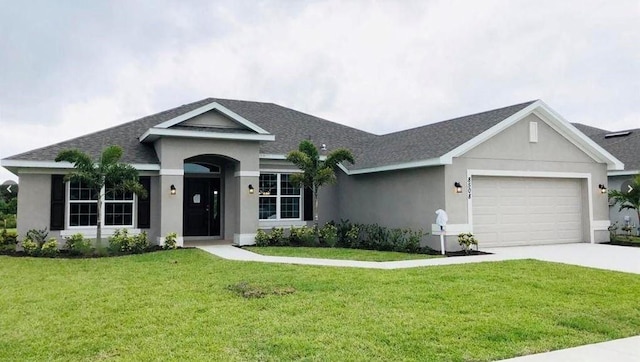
(30, 247)
(138, 243)
(262, 238)
(76, 244)
(49, 248)
(38, 236)
(8, 241)
(466, 240)
(171, 241)
(304, 235)
(122, 242)
(328, 235)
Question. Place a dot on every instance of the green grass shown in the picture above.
(177, 305)
(337, 253)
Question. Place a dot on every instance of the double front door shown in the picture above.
(202, 199)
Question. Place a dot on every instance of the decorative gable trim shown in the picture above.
(153, 134)
(208, 107)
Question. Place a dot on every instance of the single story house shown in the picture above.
(625, 146)
(216, 168)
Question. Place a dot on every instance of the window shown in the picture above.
(83, 208)
(279, 199)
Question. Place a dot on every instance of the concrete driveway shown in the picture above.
(610, 257)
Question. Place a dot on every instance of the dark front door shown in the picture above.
(202, 207)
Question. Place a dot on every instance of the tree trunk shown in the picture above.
(99, 225)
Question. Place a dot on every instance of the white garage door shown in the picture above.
(526, 211)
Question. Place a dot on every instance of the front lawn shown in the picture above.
(337, 253)
(177, 305)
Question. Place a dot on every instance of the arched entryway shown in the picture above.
(204, 196)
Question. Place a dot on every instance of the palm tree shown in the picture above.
(316, 173)
(628, 200)
(108, 171)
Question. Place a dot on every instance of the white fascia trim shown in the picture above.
(153, 133)
(280, 170)
(272, 156)
(623, 173)
(275, 156)
(400, 166)
(171, 172)
(208, 107)
(246, 174)
(67, 165)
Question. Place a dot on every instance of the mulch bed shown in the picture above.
(463, 253)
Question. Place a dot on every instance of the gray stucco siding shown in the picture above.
(396, 199)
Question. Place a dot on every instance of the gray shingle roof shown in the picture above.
(624, 148)
(289, 127)
(433, 140)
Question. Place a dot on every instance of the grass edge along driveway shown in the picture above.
(176, 305)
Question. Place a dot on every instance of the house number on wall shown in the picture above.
(469, 186)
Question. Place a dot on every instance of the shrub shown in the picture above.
(303, 235)
(276, 238)
(613, 229)
(138, 243)
(170, 241)
(8, 241)
(262, 238)
(76, 244)
(38, 236)
(49, 248)
(328, 235)
(466, 240)
(118, 242)
(122, 242)
(30, 247)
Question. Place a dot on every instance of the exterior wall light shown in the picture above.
(173, 190)
(602, 188)
(251, 190)
(457, 187)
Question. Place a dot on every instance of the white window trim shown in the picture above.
(279, 197)
(107, 229)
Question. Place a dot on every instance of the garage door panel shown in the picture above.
(526, 211)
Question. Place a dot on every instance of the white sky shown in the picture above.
(71, 67)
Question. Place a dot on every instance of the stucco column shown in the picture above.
(247, 208)
(171, 206)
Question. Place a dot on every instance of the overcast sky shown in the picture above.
(71, 67)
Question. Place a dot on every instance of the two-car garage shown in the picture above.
(527, 211)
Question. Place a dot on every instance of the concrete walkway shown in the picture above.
(608, 257)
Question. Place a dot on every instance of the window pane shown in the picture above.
(78, 191)
(268, 184)
(290, 208)
(85, 214)
(286, 188)
(118, 213)
(267, 208)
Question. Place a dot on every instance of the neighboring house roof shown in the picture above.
(589, 130)
(428, 145)
(626, 147)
